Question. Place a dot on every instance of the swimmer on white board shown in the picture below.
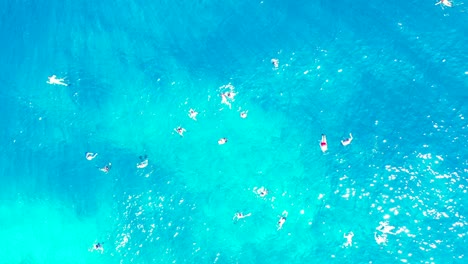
(323, 143)
(347, 141)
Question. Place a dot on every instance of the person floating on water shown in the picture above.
(349, 239)
(193, 114)
(275, 63)
(240, 215)
(446, 3)
(106, 168)
(282, 219)
(143, 162)
(98, 247)
(262, 191)
(347, 141)
(53, 80)
(222, 141)
(243, 114)
(90, 155)
(323, 143)
(180, 131)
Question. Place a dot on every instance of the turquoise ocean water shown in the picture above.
(392, 73)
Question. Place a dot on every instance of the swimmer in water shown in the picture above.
(262, 191)
(224, 100)
(323, 143)
(385, 228)
(106, 168)
(97, 247)
(230, 95)
(282, 219)
(240, 215)
(243, 114)
(349, 239)
(347, 141)
(222, 141)
(380, 239)
(227, 97)
(446, 3)
(90, 155)
(53, 80)
(180, 131)
(193, 114)
(143, 162)
(275, 63)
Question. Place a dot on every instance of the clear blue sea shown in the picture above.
(392, 73)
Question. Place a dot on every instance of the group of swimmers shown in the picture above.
(281, 221)
(384, 228)
(262, 192)
(140, 165)
(226, 98)
(324, 148)
(106, 168)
